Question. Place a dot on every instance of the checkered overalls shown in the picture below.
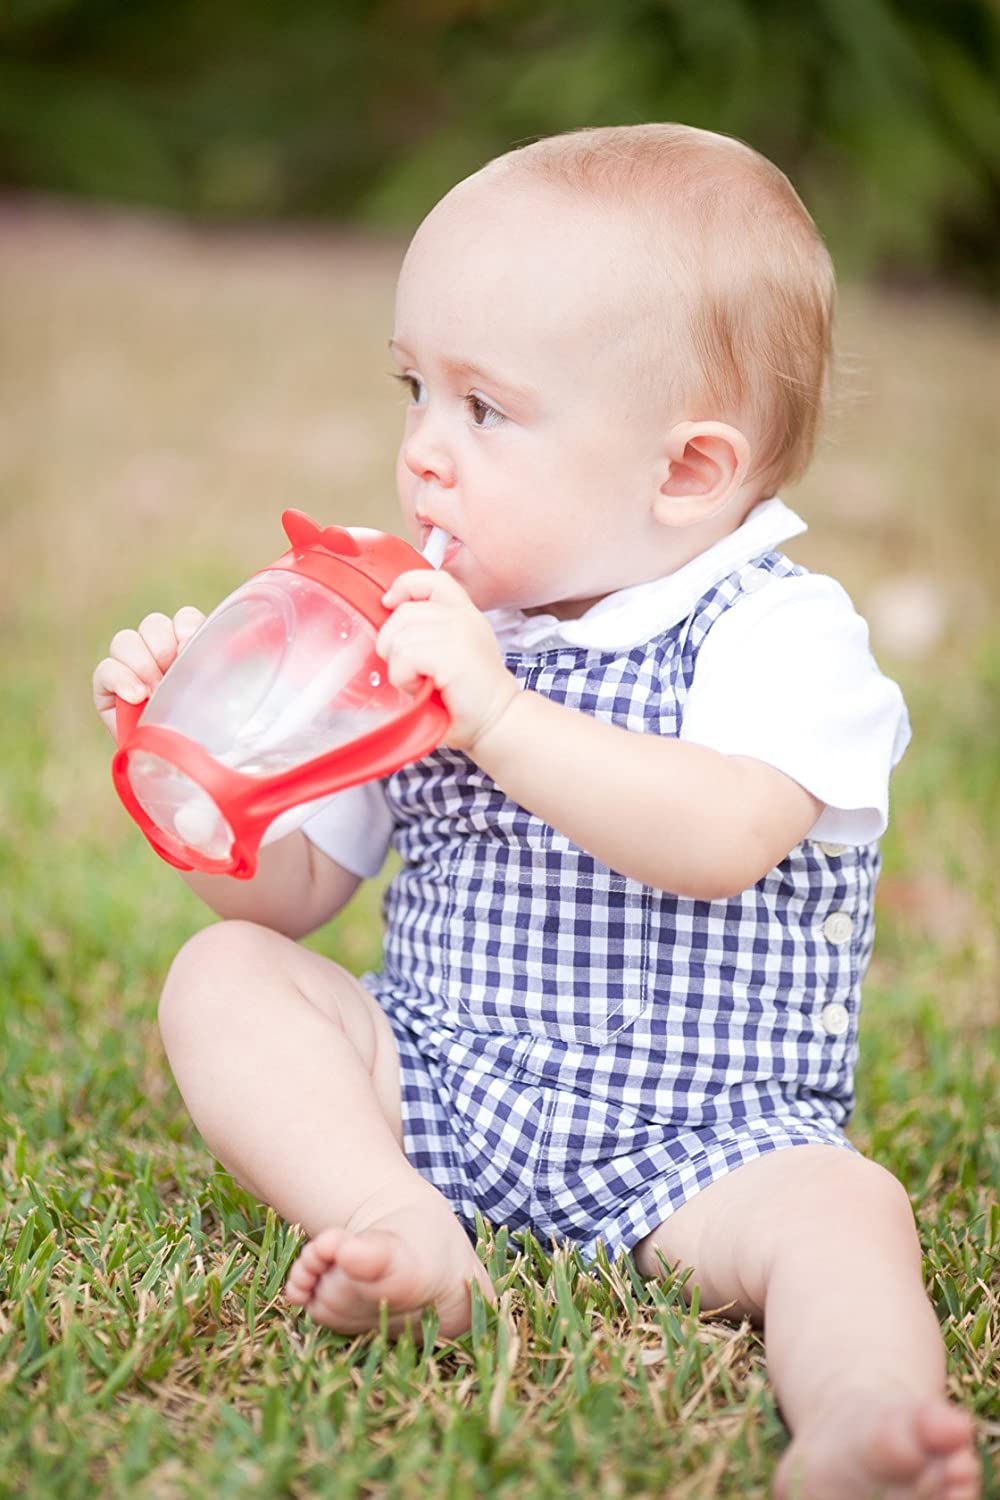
(581, 1053)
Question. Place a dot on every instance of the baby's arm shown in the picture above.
(296, 888)
(674, 815)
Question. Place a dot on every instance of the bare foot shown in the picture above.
(410, 1256)
(872, 1449)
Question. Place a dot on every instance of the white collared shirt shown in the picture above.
(785, 676)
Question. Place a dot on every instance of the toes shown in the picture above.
(897, 1451)
(369, 1256)
(314, 1261)
(926, 1454)
(344, 1277)
(300, 1283)
(321, 1252)
(948, 1433)
(961, 1476)
(942, 1427)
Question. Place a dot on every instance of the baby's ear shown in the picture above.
(707, 464)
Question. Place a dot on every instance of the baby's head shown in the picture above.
(616, 341)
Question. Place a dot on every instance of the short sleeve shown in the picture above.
(786, 676)
(354, 828)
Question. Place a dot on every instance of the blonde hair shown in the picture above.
(755, 282)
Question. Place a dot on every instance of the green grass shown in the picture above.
(163, 400)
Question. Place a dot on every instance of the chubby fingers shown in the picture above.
(139, 658)
(414, 640)
(425, 583)
(151, 649)
(410, 642)
(111, 680)
(435, 631)
(186, 621)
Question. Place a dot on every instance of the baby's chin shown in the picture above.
(488, 591)
(484, 591)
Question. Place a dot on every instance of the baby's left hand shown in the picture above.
(436, 631)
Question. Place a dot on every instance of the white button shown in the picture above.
(838, 927)
(752, 579)
(834, 1018)
(832, 849)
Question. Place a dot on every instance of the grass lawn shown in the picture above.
(162, 397)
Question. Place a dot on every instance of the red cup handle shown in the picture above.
(127, 716)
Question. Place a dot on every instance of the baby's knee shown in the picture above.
(837, 1198)
(842, 1177)
(206, 969)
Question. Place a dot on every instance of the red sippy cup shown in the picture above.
(277, 700)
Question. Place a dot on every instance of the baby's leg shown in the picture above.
(290, 1071)
(820, 1245)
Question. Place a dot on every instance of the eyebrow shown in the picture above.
(462, 367)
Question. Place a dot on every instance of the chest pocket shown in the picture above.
(546, 943)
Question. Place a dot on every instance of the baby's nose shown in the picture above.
(427, 457)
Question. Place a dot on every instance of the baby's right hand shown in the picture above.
(139, 658)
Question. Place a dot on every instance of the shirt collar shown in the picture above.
(637, 614)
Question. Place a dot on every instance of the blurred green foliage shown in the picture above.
(884, 112)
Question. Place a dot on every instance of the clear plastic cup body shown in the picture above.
(283, 671)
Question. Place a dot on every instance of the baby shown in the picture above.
(625, 945)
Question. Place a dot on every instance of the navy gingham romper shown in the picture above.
(580, 1053)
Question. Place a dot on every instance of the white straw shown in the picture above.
(315, 695)
(436, 546)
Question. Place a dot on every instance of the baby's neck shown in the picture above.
(568, 609)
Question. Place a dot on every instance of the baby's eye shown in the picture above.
(483, 414)
(413, 385)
